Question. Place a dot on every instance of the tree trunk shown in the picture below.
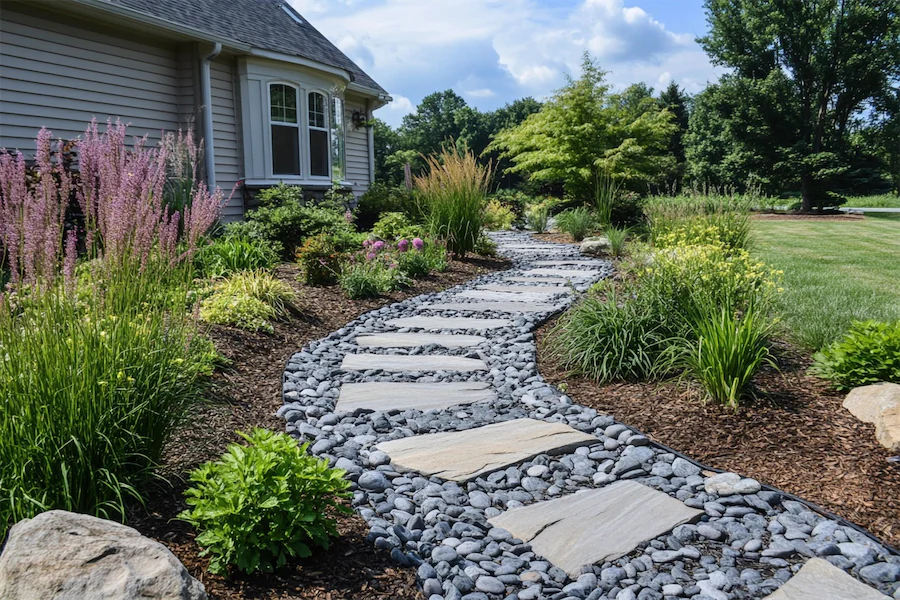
(807, 189)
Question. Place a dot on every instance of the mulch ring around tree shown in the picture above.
(246, 394)
(795, 436)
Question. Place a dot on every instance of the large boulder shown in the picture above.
(60, 555)
(878, 404)
(595, 246)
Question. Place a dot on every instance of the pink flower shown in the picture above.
(348, 216)
(418, 244)
(370, 256)
(378, 246)
(367, 243)
(403, 245)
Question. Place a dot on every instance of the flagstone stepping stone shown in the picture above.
(464, 455)
(533, 279)
(532, 246)
(562, 272)
(818, 579)
(386, 395)
(564, 261)
(448, 323)
(402, 362)
(412, 340)
(525, 289)
(595, 526)
(511, 296)
(499, 306)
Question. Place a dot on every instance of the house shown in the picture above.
(272, 98)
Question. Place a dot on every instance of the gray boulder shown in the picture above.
(878, 404)
(595, 246)
(60, 555)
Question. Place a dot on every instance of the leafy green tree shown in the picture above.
(676, 101)
(434, 123)
(836, 54)
(386, 142)
(584, 132)
(885, 134)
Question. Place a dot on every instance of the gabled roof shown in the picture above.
(262, 24)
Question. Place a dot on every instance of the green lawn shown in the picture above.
(881, 201)
(834, 272)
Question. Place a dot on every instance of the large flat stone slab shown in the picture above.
(464, 455)
(818, 579)
(595, 526)
(509, 296)
(412, 340)
(499, 306)
(572, 273)
(878, 404)
(531, 246)
(401, 362)
(558, 262)
(525, 289)
(533, 279)
(386, 395)
(423, 322)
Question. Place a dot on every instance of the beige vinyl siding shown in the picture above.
(226, 135)
(60, 75)
(357, 148)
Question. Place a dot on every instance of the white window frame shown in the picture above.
(342, 138)
(300, 106)
(326, 113)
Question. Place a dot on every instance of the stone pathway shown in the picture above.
(495, 485)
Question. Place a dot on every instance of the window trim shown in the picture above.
(298, 126)
(326, 113)
(342, 137)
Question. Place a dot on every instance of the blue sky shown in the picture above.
(494, 51)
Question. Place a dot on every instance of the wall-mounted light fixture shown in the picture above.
(359, 120)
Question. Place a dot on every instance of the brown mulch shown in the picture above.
(246, 394)
(559, 238)
(795, 436)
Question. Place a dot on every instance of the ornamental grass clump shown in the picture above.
(454, 190)
(102, 359)
(230, 254)
(577, 222)
(537, 218)
(264, 504)
(249, 300)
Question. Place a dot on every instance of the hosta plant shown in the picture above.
(868, 353)
(264, 503)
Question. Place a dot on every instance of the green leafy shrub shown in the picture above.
(498, 216)
(485, 247)
(381, 198)
(283, 218)
(868, 353)
(436, 253)
(538, 217)
(577, 222)
(370, 278)
(227, 255)
(319, 260)
(396, 226)
(249, 300)
(264, 504)
(727, 353)
(515, 200)
(454, 190)
(627, 209)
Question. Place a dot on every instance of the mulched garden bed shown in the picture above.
(246, 394)
(796, 436)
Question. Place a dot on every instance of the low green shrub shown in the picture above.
(436, 253)
(381, 198)
(396, 226)
(577, 222)
(226, 255)
(264, 504)
(727, 353)
(249, 300)
(868, 353)
(538, 217)
(371, 277)
(498, 216)
(485, 247)
(319, 260)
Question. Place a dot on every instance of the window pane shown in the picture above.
(318, 153)
(338, 169)
(285, 150)
(284, 103)
(316, 110)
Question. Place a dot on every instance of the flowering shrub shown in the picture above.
(264, 503)
(319, 260)
(248, 300)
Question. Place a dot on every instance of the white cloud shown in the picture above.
(493, 51)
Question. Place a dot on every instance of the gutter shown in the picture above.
(206, 92)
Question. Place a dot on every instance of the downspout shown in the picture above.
(206, 93)
(371, 142)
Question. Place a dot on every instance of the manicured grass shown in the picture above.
(834, 272)
(880, 201)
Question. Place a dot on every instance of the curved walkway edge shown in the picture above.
(466, 464)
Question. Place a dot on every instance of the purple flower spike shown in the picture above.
(403, 245)
(378, 245)
(370, 256)
(418, 244)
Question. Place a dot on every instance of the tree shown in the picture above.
(584, 132)
(386, 142)
(837, 54)
(885, 134)
(434, 123)
(675, 100)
